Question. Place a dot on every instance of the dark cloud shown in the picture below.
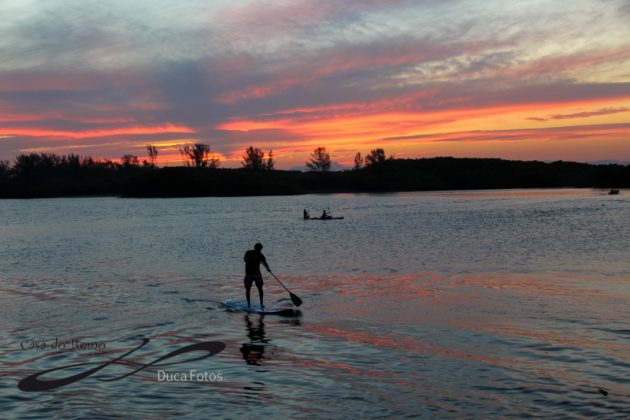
(604, 111)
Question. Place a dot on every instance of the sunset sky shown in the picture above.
(532, 79)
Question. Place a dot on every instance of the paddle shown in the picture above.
(294, 298)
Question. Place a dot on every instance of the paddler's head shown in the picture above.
(258, 247)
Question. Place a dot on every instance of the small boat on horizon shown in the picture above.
(613, 191)
(325, 216)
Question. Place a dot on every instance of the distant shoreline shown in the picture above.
(395, 175)
(309, 193)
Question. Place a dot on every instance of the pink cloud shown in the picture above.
(85, 134)
(309, 72)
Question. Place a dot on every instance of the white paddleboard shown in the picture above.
(278, 308)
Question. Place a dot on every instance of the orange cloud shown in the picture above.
(345, 130)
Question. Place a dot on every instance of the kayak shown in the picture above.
(327, 218)
(277, 308)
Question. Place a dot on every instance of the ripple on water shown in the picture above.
(510, 306)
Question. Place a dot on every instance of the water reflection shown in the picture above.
(254, 351)
(293, 321)
(515, 304)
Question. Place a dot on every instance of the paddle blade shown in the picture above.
(295, 299)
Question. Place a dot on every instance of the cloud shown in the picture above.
(593, 132)
(585, 114)
(123, 131)
(604, 111)
(287, 74)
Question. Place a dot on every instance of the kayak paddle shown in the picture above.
(294, 298)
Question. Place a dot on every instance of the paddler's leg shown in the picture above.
(259, 285)
(248, 288)
(260, 292)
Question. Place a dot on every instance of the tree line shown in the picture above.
(50, 175)
(320, 159)
(200, 155)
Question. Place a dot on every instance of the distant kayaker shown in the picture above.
(253, 258)
(306, 214)
(325, 215)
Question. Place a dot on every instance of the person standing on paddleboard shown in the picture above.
(253, 258)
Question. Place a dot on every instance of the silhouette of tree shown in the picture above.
(198, 155)
(129, 160)
(71, 161)
(4, 169)
(50, 175)
(320, 160)
(375, 157)
(253, 159)
(31, 163)
(153, 153)
(270, 164)
(358, 161)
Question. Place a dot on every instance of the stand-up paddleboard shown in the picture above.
(277, 308)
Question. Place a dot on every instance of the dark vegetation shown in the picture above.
(254, 160)
(319, 160)
(49, 175)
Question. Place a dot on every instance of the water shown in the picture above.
(480, 304)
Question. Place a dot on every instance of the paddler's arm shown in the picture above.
(263, 260)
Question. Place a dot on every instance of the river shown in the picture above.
(441, 304)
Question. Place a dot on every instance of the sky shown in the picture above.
(531, 79)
